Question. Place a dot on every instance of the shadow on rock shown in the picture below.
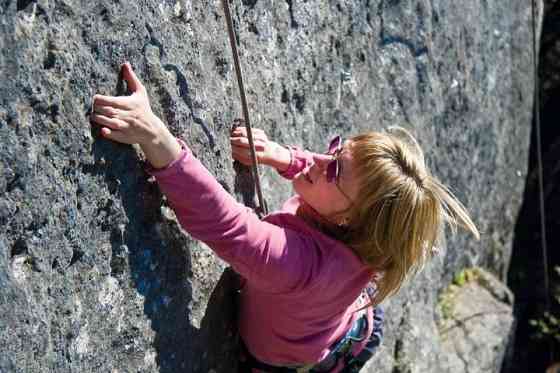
(151, 256)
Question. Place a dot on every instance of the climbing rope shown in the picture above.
(536, 113)
(262, 209)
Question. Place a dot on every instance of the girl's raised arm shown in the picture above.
(272, 258)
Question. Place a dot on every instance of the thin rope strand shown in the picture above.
(539, 156)
(262, 204)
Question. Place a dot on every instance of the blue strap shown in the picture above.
(340, 350)
(373, 342)
(343, 349)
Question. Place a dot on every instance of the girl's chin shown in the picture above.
(301, 182)
(303, 179)
(300, 185)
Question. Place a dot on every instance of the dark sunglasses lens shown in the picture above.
(332, 171)
(334, 145)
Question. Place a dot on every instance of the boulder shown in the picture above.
(476, 325)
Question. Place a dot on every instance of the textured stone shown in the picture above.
(96, 275)
(475, 334)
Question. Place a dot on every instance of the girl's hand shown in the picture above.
(130, 120)
(268, 152)
(127, 119)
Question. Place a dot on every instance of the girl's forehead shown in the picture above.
(347, 146)
(346, 163)
(346, 152)
(347, 143)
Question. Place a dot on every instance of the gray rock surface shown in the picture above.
(95, 273)
(478, 326)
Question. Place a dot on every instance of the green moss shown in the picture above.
(467, 275)
(446, 300)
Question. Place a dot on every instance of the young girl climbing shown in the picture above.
(365, 216)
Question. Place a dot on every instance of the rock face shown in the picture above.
(95, 273)
(477, 322)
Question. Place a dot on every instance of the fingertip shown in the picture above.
(131, 78)
(131, 70)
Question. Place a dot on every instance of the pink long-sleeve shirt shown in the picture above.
(302, 287)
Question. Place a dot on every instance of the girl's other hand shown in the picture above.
(268, 152)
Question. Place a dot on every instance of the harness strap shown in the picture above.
(341, 350)
(262, 209)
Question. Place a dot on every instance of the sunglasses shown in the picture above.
(334, 167)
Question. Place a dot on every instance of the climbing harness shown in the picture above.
(340, 352)
(262, 209)
(536, 113)
(341, 355)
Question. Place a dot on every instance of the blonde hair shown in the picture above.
(401, 210)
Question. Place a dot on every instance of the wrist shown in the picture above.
(158, 133)
(162, 149)
(281, 159)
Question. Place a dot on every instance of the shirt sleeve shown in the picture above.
(299, 159)
(272, 258)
